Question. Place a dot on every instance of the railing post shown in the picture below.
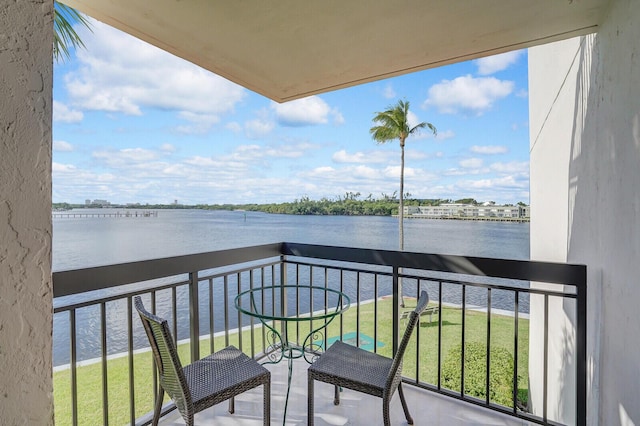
(283, 296)
(396, 308)
(194, 316)
(581, 352)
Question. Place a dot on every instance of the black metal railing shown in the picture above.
(475, 297)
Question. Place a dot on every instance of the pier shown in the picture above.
(476, 218)
(110, 214)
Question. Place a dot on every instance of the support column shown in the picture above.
(26, 296)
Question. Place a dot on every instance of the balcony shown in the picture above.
(354, 409)
(105, 373)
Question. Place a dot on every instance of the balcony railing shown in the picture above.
(104, 369)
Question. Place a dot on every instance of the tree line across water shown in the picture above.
(351, 204)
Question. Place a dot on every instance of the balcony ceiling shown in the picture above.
(289, 49)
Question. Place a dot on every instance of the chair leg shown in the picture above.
(336, 395)
(386, 417)
(232, 405)
(404, 405)
(309, 400)
(158, 406)
(266, 401)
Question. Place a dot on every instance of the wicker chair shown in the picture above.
(347, 366)
(206, 382)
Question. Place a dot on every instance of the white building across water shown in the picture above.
(467, 211)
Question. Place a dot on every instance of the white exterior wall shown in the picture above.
(585, 197)
(26, 39)
(552, 100)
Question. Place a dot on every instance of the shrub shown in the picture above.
(475, 367)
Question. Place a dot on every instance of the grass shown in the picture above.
(90, 382)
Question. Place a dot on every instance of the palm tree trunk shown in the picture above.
(401, 216)
(401, 203)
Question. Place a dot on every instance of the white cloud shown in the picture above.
(258, 128)
(365, 172)
(447, 134)
(62, 168)
(360, 157)
(249, 154)
(167, 147)
(127, 157)
(489, 149)
(325, 181)
(234, 126)
(62, 146)
(518, 170)
(204, 161)
(412, 119)
(394, 172)
(493, 64)
(500, 189)
(306, 112)
(338, 118)
(200, 123)
(468, 93)
(64, 114)
(288, 150)
(388, 92)
(377, 157)
(119, 73)
(412, 154)
(500, 182)
(505, 182)
(471, 163)
(284, 151)
(520, 167)
(321, 170)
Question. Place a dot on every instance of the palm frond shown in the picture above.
(382, 133)
(393, 123)
(65, 35)
(417, 127)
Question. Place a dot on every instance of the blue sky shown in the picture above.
(132, 123)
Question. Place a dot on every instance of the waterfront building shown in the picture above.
(466, 211)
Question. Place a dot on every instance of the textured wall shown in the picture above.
(604, 230)
(26, 38)
(553, 90)
(602, 207)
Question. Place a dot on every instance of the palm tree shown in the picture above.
(65, 35)
(390, 125)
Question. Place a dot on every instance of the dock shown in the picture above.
(476, 218)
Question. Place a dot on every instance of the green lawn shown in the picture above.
(90, 383)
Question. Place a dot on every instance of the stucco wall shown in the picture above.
(599, 216)
(553, 90)
(26, 38)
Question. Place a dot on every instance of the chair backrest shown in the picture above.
(169, 367)
(395, 374)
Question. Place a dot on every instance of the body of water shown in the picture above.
(85, 242)
(93, 241)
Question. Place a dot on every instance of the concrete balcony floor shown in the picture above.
(355, 408)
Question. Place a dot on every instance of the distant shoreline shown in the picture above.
(74, 213)
(349, 205)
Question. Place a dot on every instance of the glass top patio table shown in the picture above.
(335, 307)
(281, 303)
